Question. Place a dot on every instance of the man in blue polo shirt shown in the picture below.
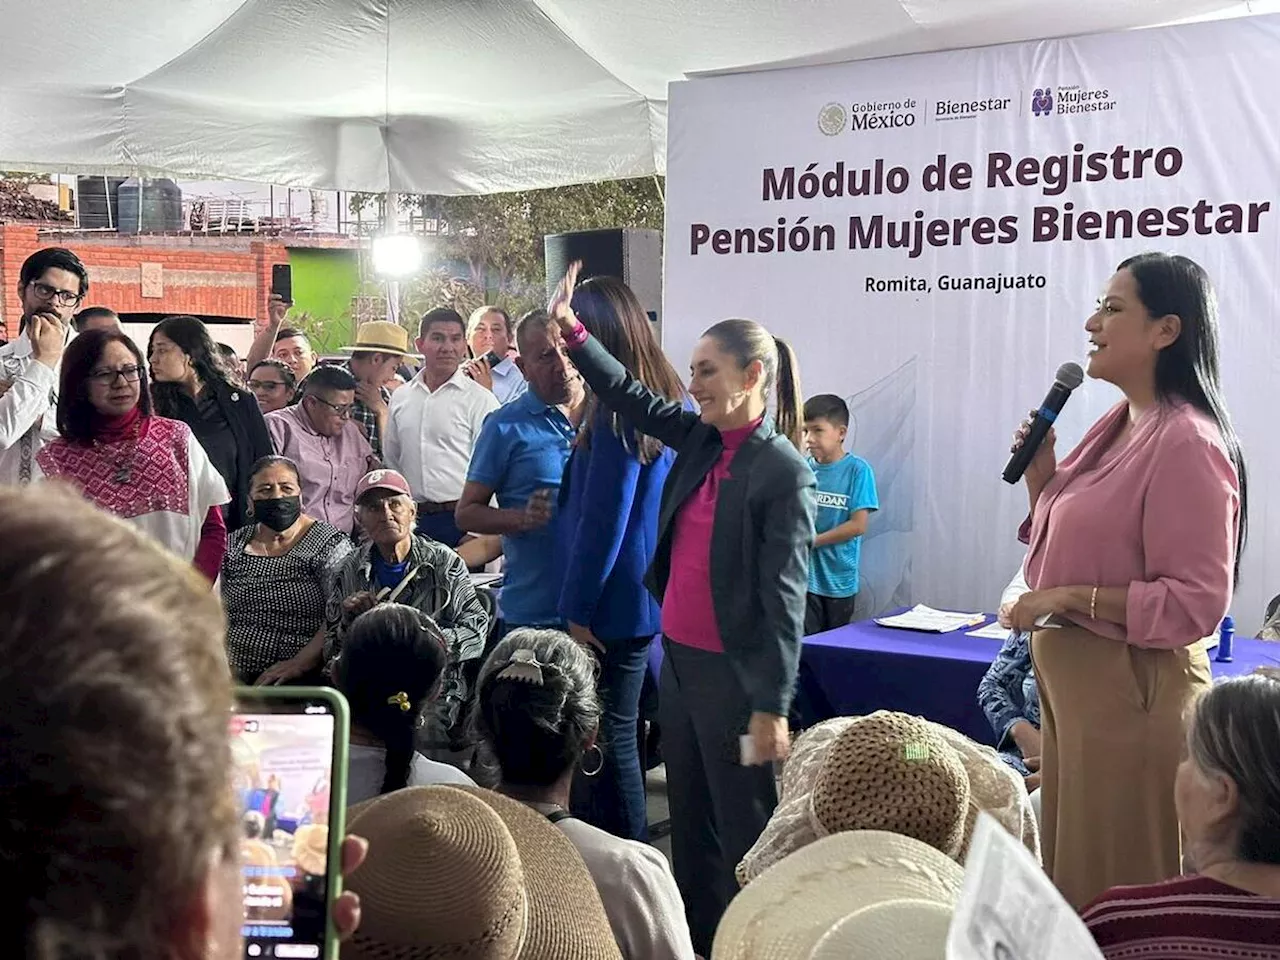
(520, 456)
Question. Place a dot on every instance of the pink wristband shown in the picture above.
(577, 336)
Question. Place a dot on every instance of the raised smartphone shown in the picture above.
(289, 750)
(282, 281)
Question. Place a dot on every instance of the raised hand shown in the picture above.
(48, 338)
(560, 308)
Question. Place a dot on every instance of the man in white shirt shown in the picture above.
(434, 422)
(51, 284)
(490, 333)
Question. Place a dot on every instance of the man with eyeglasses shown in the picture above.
(51, 285)
(330, 449)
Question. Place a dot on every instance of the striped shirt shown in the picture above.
(1191, 918)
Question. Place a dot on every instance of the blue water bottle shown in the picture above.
(1226, 635)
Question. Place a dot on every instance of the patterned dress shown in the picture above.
(160, 482)
(275, 605)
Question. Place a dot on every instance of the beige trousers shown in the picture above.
(1112, 722)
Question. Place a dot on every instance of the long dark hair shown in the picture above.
(612, 314)
(75, 411)
(1189, 367)
(389, 670)
(747, 341)
(192, 338)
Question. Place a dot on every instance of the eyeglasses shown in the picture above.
(266, 385)
(64, 298)
(342, 410)
(130, 373)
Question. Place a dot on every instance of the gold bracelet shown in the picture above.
(1093, 605)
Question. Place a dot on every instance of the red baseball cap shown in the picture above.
(382, 480)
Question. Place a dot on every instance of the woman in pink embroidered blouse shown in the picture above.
(147, 470)
(1134, 547)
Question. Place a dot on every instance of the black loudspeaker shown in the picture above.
(633, 256)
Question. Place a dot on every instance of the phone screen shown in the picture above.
(283, 753)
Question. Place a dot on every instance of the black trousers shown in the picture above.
(718, 807)
(827, 613)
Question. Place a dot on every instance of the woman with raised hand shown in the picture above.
(731, 569)
(608, 534)
(389, 670)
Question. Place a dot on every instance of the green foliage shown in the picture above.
(498, 237)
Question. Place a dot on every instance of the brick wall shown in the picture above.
(196, 274)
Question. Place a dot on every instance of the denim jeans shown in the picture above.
(614, 799)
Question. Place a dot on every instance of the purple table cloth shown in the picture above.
(865, 667)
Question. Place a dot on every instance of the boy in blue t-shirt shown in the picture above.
(846, 498)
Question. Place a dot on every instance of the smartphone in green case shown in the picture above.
(289, 753)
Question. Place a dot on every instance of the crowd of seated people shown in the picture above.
(319, 524)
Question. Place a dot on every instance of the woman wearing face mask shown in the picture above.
(191, 384)
(731, 569)
(147, 470)
(275, 581)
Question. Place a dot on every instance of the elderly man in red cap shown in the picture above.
(398, 566)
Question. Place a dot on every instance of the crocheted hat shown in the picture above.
(994, 787)
(893, 772)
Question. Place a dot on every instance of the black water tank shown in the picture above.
(150, 206)
(98, 201)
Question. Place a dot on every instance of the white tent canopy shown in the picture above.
(439, 96)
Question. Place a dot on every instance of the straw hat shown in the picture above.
(897, 930)
(894, 772)
(381, 336)
(833, 898)
(463, 873)
(827, 772)
(311, 849)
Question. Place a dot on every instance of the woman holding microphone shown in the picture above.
(1135, 542)
(735, 529)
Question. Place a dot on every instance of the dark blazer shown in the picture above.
(244, 421)
(761, 537)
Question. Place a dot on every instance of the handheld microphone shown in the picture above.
(1068, 377)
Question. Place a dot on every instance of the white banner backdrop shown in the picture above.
(931, 233)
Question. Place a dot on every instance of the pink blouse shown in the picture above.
(688, 612)
(1158, 515)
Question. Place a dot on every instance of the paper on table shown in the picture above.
(1009, 909)
(485, 579)
(992, 631)
(928, 620)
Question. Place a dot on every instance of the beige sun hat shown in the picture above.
(817, 899)
(897, 930)
(381, 336)
(832, 754)
(465, 873)
(311, 849)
